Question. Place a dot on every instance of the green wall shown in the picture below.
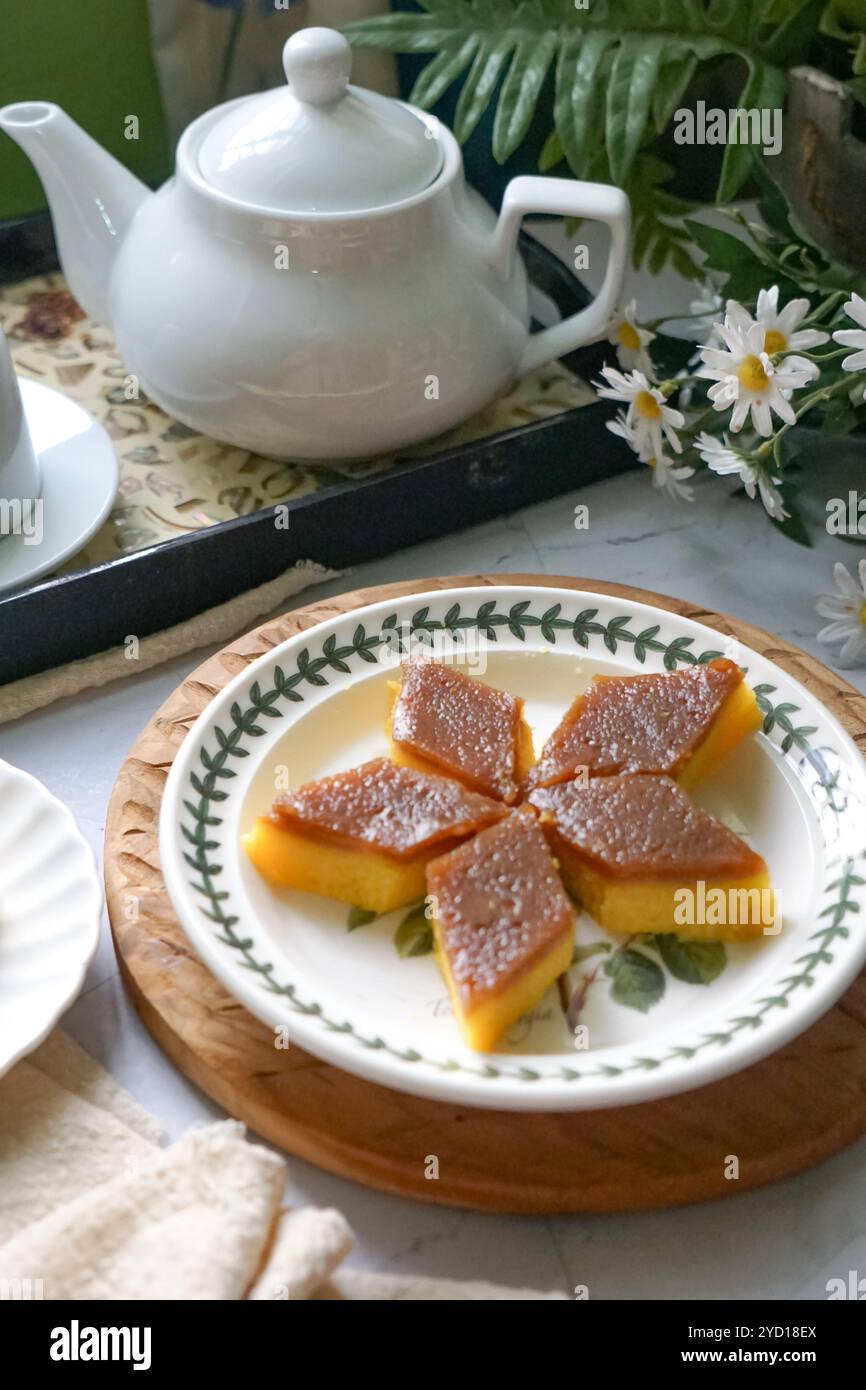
(93, 58)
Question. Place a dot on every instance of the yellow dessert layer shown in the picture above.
(483, 1025)
(738, 717)
(525, 758)
(627, 906)
(361, 877)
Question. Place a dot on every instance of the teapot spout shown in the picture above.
(92, 197)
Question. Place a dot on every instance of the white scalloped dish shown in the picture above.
(50, 906)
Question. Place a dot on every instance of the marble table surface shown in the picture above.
(782, 1242)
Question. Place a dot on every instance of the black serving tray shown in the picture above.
(60, 620)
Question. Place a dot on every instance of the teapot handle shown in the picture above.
(600, 202)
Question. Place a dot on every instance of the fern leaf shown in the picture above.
(622, 66)
(742, 17)
(764, 90)
(579, 95)
(520, 92)
(444, 69)
(629, 96)
(480, 85)
(674, 78)
(400, 32)
(661, 234)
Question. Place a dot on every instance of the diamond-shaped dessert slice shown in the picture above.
(642, 857)
(444, 721)
(366, 836)
(680, 725)
(503, 926)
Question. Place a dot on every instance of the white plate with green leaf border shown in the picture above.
(50, 906)
(658, 1016)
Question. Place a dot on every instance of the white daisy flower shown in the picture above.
(847, 611)
(746, 380)
(855, 308)
(724, 460)
(620, 426)
(631, 342)
(649, 417)
(780, 328)
(667, 477)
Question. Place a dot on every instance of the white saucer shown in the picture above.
(79, 484)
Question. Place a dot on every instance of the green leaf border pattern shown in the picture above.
(583, 629)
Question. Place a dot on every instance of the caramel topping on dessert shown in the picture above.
(381, 806)
(630, 724)
(642, 827)
(500, 911)
(461, 728)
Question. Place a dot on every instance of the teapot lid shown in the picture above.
(319, 145)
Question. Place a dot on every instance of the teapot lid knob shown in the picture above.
(318, 63)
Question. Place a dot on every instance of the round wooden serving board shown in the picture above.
(779, 1117)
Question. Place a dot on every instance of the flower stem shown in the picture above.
(822, 394)
(831, 302)
(823, 356)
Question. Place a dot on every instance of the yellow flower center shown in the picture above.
(752, 374)
(646, 405)
(628, 337)
(651, 462)
(774, 341)
(863, 615)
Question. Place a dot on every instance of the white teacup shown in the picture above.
(20, 479)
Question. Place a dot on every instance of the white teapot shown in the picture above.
(316, 280)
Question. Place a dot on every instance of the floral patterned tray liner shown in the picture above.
(173, 480)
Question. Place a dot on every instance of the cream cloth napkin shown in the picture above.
(92, 1207)
(217, 624)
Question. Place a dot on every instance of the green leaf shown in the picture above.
(660, 230)
(794, 527)
(444, 69)
(520, 92)
(674, 78)
(694, 962)
(777, 11)
(551, 154)
(764, 90)
(638, 982)
(629, 97)
(402, 33)
(414, 936)
(480, 85)
(579, 95)
(734, 258)
(359, 917)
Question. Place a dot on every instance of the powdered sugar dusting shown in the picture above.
(465, 727)
(627, 724)
(386, 807)
(643, 827)
(500, 905)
